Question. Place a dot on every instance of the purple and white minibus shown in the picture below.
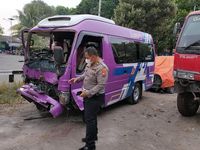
(54, 53)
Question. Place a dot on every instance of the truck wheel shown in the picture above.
(186, 104)
(136, 95)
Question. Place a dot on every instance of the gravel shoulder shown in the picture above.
(153, 124)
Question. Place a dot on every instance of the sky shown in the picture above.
(9, 8)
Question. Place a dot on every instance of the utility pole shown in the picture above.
(11, 19)
(195, 7)
(99, 12)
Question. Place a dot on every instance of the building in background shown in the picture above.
(8, 43)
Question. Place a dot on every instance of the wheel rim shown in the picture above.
(136, 93)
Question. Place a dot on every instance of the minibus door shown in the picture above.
(85, 40)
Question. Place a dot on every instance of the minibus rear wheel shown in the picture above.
(136, 94)
(186, 104)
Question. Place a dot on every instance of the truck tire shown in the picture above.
(186, 104)
(136, 94)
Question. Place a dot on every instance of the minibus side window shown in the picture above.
(118, 51)
(146, 52)
(131, 52)
(87, 41)
(124, 51)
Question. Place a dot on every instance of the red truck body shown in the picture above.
(187, 62)
(187, 65)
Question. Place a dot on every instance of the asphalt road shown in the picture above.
(10, 62)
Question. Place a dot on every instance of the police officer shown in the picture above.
(94, 80)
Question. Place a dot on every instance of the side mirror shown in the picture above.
(177, 28)
(58, 55)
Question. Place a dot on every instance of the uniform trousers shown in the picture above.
(91, 108)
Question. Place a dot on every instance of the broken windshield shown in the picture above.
(41, 44)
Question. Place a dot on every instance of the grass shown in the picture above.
(8, 94)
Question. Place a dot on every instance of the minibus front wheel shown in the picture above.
(136, 94)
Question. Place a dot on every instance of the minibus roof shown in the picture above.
(70, 20)
(194, 13)
(91, 23)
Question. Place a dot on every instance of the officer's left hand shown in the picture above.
(83, 94)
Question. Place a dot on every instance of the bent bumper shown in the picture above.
(32, 95)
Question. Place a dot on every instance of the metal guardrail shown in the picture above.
(10, 73)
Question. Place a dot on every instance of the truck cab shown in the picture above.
(187, 65)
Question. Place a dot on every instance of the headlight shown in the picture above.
(185, 75)
(175, 73)
(64, 98)
(191, 76)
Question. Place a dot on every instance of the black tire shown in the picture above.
(170, 90)
(186, 104)
(157, 81)
(136, 95)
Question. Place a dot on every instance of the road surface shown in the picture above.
(153, 124)
(10, 62)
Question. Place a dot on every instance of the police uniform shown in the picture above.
(94, 80)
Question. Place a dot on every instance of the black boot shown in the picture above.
(84, 139)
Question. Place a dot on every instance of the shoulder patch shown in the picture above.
(104, 65)
(103, 71)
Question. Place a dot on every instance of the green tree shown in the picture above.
(91, 7)
(61, 10)
(184, 7)
(16, 29)
(87, 7)
(152, 16)
(34, 12)
(108, 7)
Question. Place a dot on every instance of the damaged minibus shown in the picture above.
(54, 53)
